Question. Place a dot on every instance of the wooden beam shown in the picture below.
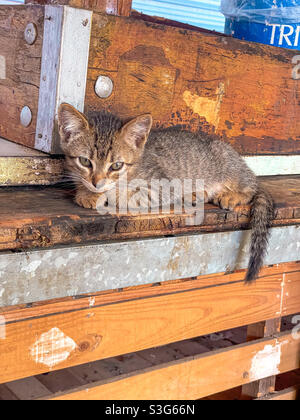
(198, 376)
(288, 394)
(65, 52)
(73, 336)
(267, 385)
(215, 84)
(21, 70)
(56, 220)
(115, 7)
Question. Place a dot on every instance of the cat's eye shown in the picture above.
(117, 166)
(85, 162)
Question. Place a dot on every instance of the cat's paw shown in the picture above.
(87, 199)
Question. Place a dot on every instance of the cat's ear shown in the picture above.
(70, 122)
(136, 131)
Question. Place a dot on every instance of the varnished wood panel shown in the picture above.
(20, 85)
(198, 376)
(71, 338)
(243, 91)
(48, 217)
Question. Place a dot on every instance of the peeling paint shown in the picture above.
(52, 348)
(266, 362)
(206, 107)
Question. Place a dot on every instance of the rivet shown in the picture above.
(30, 33)
(26, 116)
(104, 87)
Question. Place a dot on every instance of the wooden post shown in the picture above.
(265, 386)
(112, 7)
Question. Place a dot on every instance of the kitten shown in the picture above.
(99, 149)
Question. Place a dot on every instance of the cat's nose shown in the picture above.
(98, 181)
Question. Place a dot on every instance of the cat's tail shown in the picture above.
(262, 214)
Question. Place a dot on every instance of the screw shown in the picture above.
(26, 116)
(104, 87)
(30, 33)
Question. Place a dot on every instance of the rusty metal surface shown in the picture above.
(54, 273)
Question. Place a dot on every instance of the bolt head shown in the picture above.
(30, 33)
(26, 116)
(104, 87)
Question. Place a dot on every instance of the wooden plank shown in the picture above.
(75, 337)
(267, 385)
(220, 90)
(291, 301)
(189, 378)
(289, 394)
(6, 394)
(65, 67)
(115, 7)
(56, 220)
(19, 86)
(15, 171)
(28, 389)
(10, 149)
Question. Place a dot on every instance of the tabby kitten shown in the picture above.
(99, 150)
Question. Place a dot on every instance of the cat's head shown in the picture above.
(99, 149)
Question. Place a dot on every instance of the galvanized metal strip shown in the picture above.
(54, 273)
(64, 68)
(274, 165)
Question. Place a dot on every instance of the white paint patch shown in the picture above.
(52, 348)
(92, 301)
(265, 363)
(2, 67)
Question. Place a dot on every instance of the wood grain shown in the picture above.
(188, 379)
(242, 91)
(115, 7)
(20, 86)
(16, 171)
(288, 394)
(48, 217)
(145, 323)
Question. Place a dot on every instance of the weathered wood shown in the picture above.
(56, 220)
(86, 335)
(267, 385)
(289, 394)
(243, 91)
(16, 171)
(10, 149)
(63, 69)
(20, 80)
(188, 378)
(114, 7)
